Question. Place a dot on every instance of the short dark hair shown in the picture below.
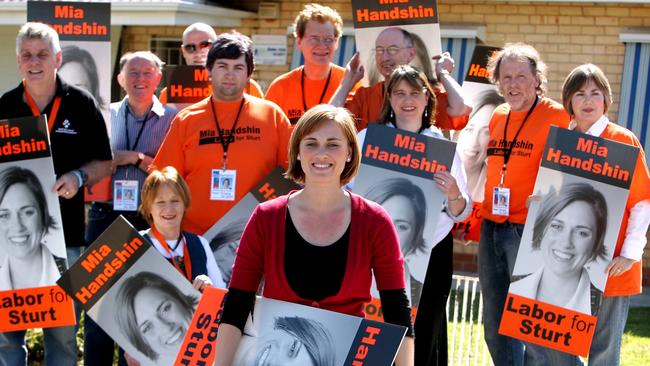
(554, 202)
(232, 46)
(394, 187)
(126, 317)
(578, 77)
(17, 175)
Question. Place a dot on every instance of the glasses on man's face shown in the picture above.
(391, 50)
(191, 47)
(316, 40)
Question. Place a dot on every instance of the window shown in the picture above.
(168, 49)
(634, 107)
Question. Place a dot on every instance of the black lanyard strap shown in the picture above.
(508, 150)
(225, 141)
(302, 88)
(126, 131)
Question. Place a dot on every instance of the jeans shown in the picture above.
(498, 248)
(60, 342)
(99, 346)
(606, 344)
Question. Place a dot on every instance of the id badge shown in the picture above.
(501, 201)
(125, 195)
(222, 185)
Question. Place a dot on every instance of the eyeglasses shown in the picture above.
(316, 40)
(191, 47)
(391, 50)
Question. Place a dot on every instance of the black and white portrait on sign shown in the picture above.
(281, 333)
(568, 240)
(148, 310)
(32, 246)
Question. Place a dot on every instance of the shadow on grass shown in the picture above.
(637, 322)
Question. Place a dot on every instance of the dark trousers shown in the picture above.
(431, 320)
(99, 346)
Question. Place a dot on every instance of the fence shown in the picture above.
(465, 323)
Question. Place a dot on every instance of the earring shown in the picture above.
(426, 113)
(349, 159)
(392, 116)
(298, 157)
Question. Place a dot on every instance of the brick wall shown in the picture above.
(566, 34)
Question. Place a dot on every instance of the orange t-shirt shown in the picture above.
(525, 157)
(192, 147)
(629, 283)
(365, 104)
(286, 91)
(252, 88)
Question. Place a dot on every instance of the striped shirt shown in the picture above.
(154, 129)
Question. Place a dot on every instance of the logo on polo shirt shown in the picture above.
(66, 128)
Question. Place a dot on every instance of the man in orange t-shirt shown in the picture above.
(394, 47)
(518, 132)
(317, 32)
(197, 40)
(229, 135)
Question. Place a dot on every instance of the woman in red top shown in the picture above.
(318, 246)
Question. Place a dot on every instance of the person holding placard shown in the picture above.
(410, 105)
(587, 96)
(394, 47)
(518, 131)
(305, 262)
(139, 125)
(317, 30)
(80, 151)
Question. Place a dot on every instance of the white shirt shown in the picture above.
(639, 219)
(210, 264)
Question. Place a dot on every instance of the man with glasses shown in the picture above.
(317, 30)
(394, 47)
(198, 38)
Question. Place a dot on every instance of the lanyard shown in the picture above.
(302, 88)
(36, 112)
(508, 150)
(187, 263)
(225, 142)
(126, 131)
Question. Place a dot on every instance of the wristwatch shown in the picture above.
(140, 160)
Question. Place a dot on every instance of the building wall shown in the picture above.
(566, 35)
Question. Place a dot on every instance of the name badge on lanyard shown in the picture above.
(125, 195)
(501, 201)
(222, 184)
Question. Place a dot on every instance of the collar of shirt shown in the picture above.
(157, 108)
(596, 129)
(432, 131)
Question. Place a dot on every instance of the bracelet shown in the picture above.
(79, 177)
(460, 195)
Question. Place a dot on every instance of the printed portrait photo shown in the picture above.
(568, 240)
(148, 310)
(281, 333)
(32, 245)
(414, 204)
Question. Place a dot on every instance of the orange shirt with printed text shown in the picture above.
(525, 158)
(365, 104)
(287, 93)
(193, 147)
(629, 283)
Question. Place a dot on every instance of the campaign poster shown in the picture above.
(473, 139)
(280, 332)
(315, 337)
(32, 246)
(84, 30)
(396, 171)
(225, 234)
(186, 85)
(568, 240)
(134, 294)
(373, 20)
